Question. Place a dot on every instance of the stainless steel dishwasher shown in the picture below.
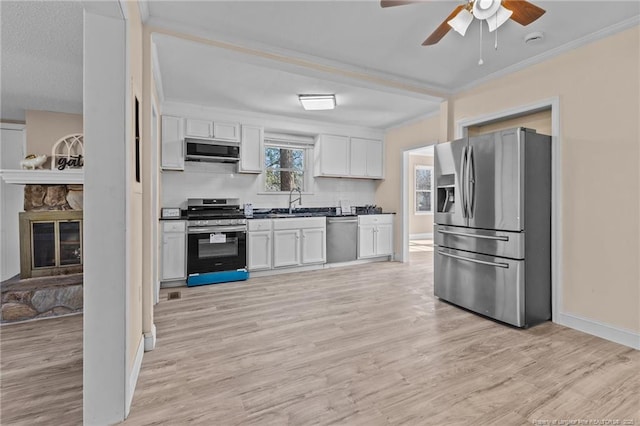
(342, 236)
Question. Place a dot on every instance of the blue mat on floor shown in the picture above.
(217, 277)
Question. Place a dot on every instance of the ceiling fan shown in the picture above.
(495, 12)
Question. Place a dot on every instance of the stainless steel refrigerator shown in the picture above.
(493, 225)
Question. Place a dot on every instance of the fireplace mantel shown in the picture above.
(43, 177)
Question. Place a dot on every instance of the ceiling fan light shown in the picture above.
(317, 102)
(460, 23)
(484, 9)
(502, 15)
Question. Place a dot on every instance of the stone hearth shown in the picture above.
(53, 197)
(40, 297)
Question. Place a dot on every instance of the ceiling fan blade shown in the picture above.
(443, 29)
(524, 12)
(390, 3)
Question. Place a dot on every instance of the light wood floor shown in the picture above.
(363, 345)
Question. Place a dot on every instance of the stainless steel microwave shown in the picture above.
(212, 150)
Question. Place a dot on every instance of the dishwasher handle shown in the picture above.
(336, 220)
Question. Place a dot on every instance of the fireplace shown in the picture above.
(51, 231)
(50, 243)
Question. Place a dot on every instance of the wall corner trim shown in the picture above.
(150, 339)
(599, 329)
(133, 376)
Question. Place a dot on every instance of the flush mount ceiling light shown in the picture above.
(317, 102)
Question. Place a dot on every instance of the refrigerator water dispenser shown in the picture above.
(446, 191)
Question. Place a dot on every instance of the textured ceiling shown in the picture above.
(357, 36)
(41, 62)
(41, 57)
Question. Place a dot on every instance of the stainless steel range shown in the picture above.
(216, 241)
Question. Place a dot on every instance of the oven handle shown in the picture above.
(212, 229)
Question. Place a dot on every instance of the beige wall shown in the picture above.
(418, 223)
(600, 159)
(539, 121)
(134, 33)
(45, 128)
(396, 141)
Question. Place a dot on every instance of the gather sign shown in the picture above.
(71, 162)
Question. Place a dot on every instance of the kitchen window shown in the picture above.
(424, 190)
(285, 166)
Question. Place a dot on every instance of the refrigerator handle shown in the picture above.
(471, 178)
(468, 259)
(463, 181)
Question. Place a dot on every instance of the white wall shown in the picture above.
(106, 370)
(12, 144)
(218, 180)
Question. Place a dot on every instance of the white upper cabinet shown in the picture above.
(375, 161)
(332, 156)
(226, 131)
(199, 128)
(251, 150)
(172, 143)
(366, 158)
(342, 156)
(209, 129)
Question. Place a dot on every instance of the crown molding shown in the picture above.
(574, 44)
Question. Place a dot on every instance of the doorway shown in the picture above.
(418, 203)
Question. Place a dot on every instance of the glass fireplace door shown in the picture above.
(50, 243)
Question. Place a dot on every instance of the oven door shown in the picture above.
(216, 248)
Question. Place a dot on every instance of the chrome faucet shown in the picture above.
(299, 199)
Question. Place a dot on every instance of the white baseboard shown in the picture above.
(614, 334)
(150, 339)
(424, 236)
(133, 376)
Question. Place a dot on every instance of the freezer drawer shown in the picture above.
(488, 285)
(489, 242)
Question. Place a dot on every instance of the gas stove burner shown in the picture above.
(214, 209)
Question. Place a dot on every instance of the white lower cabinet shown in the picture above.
(314, 245)
(259, 253)
(286, 248)
(259, 245)
(375, 235)
(174, 249)
(299, 241)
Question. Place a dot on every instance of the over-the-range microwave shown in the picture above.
(211, 150)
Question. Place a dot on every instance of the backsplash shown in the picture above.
(203, 180)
